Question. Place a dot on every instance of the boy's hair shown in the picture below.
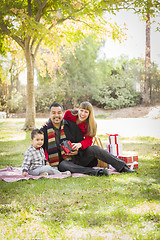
(36, 131)
(55, 104)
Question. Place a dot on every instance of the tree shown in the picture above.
(31, 22)
(147, 59)
(147, 9)
(79, 71)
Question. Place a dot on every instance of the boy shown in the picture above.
(34, 160)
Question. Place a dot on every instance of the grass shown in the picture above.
(124, 206)
(101, 116)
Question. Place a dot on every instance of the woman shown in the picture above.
(84, 119)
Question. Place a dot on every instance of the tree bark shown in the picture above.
(147, 60)
(30, 105)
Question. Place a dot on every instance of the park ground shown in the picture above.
(139, 111)
(117, 207)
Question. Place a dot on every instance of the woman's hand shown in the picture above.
(76, 146)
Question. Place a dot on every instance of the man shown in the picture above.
(57, 130)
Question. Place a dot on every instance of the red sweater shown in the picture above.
(83, 127)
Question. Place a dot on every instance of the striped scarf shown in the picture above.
(52, 147)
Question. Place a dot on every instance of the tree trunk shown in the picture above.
(147, 60)
(30, 105)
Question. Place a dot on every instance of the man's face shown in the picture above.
(56, 116)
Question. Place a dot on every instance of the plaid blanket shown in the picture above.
(13, 174)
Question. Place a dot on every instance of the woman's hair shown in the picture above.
(92, 125)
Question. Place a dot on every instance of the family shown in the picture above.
(45, 156)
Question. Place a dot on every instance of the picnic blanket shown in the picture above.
(14, 174)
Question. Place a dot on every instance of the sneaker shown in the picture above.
(128, 170)
(43, 174)
(103, 172)
(68, 173)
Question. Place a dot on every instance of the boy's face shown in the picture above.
(38, 140)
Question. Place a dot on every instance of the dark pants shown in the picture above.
(96, 152)
(87, 157)
(74, 168)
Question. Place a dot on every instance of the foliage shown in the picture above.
(54, 22)
(108, 83)
(79, 77)
(115, 95)
(46, 95)
(117, 84)
(122, 82)
(123, 205)
(16, 102)
(58, 23)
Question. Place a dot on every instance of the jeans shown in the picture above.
(46, 168)
(74, 168)
(87, 157)
(97, 152)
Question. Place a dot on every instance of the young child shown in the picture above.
(34, 160)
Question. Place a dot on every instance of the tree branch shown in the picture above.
(36, 49)
(41, 6)
(14, 37)
(29, 8)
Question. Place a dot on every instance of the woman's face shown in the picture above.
(83, 114)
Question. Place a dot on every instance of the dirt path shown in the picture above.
(139, 111)
(130, 122)
(131, 112)
(129, 127)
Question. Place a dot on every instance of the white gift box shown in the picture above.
(115, 149)
(114, 139)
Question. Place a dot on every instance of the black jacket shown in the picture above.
(74, 134)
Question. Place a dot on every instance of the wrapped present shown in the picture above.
(132, 161)
(113, 139)
(115, 149)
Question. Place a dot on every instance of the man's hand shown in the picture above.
(72, 153)
(44, 124)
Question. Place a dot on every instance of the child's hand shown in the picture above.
(24, 174)
(47, 163)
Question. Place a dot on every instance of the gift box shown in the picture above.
(113, 138)
(115, 149)
(132, 161)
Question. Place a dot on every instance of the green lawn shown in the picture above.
(124, 206)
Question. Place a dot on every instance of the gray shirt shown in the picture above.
(33, 158)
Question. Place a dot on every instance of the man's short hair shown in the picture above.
(36, 131)
(55, 104)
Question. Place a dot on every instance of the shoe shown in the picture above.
(103, 172)
(128, 170)
(43, 174)
(68, 173)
